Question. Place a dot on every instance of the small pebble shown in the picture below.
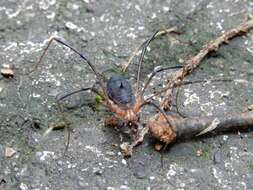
(123, 161)
(110, 153)
(158, 146)
(7, 73)
(97, 171)
(9, 152)
(250, 108)
(217, 157)
(199, 152)
(140, 174)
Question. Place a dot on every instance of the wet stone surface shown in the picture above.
(108, 32)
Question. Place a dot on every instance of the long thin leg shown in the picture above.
(177, 109)
(167, 119)
(98, 75)
(128, 148)
(67, 124)
(62, 115)
(71, 93)
(142, 56)
(162, 32)
(156, 72)
(159, 109)
(80, 90)
(187, 83)
(68, 141)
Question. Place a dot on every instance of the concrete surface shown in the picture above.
(108, 32)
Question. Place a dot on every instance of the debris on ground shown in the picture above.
(9, 152)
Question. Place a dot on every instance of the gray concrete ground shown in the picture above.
(108, 32)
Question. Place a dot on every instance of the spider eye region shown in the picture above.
(119, 90)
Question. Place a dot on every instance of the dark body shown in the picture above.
(120, 91)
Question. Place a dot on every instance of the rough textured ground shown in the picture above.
(108, 32)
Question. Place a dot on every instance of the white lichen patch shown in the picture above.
(174, 170)
(45, 4)
(72, 26)
(222, 177)
(124, 187)
(217, 175)
(241, 81)
(225, 137)
(72, 6)
(44, 155)
(132, 35)
(219, 25)
(2, 105)
(51, 16)
(110, 188)
(166, 9)
(10, 46)
(95, 150)
(191, 99)
(26, 47)
(98, 153)
(34, 95)
(47, 76)
(210, 5)
(71, 165)
(13, 13)
(105, 18)
(209, 101)
(23, 186)
(249, 49)
(218, 94)
(138, 8)
(207, 108)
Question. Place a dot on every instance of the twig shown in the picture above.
(127, 148)
(193, 62)
(192, 127)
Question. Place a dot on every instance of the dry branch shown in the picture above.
(191, 127)
(193, 62)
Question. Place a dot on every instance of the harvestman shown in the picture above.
(117, 93)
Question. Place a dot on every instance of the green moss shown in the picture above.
(206, 153)
(250, 165)
(99, 101)
(27, 151)
(247, 167)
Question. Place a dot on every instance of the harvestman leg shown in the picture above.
(140, 63)
(144, 49)
(156, 72)
(98, 75)
(167, 119)
(145, 130)
(141, 92)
